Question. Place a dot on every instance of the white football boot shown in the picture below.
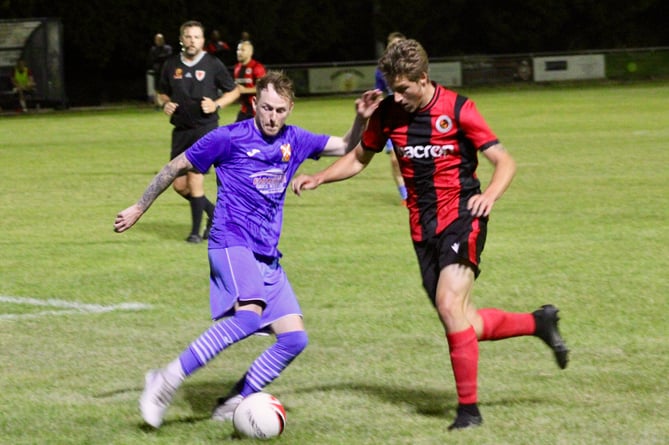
(226, 408)
(156, 398)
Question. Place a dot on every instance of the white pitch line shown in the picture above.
(69, 307)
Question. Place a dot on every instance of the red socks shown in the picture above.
(498, 324)
(464, 351)
(464, 347)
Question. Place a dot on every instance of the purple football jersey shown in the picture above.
(252, 172)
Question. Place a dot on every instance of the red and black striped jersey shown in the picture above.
(247, 76)
(437, 149)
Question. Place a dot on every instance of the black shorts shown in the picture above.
(460, 243)
(183, 138)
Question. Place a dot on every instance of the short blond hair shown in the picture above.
(281, 83)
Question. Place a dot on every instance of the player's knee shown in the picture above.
(247, 321)
(449, 306)
(180, 189)
(293, 342)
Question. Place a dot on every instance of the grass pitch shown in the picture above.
(84, 312)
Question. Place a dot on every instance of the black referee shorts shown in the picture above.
(183, 138)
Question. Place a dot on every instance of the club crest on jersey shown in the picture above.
(443, 124)
(178, 73)
(286, 151)
(199, 74)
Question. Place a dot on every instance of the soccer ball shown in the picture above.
(259, 416)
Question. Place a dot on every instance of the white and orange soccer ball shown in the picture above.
(260, 416)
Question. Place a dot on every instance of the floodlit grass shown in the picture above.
(584, 226)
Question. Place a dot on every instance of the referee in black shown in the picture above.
(189, 91)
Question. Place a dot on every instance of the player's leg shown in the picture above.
(235, 282)
(191, 185)
(181, 140)
(162, 384)
(156, 98)
(449, 265)
(291, 339)
(22, 99)
(285, 317)
(267, 367)
(191, 188)
(198, 202)
(452, 303)
(198, 199)
(496, 324)
(209, 210)
(180, 185)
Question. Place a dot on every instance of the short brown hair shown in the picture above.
(405, 58)
(190, 24)
(281, 83)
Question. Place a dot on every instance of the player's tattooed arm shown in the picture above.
(163, 179)
(125, 219)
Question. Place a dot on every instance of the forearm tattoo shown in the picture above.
(163, 180)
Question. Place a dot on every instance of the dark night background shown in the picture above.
(106, 42)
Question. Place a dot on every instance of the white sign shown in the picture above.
(569, 67)
(344, 79)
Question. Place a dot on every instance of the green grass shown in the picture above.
(584, 226)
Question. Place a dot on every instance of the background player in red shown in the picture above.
(437, 135)
(246, 73)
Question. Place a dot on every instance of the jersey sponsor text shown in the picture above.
(426, 151)
(269, 182)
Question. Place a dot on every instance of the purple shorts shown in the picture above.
(238, 275)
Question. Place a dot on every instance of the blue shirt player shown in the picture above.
(254, 161)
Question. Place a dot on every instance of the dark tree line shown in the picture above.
(106, 42)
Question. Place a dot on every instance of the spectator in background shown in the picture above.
(218, 47)
(158, 54)
(246, 73)
(382, 85)
(245, 36)
(189, 92)
(23, 83)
